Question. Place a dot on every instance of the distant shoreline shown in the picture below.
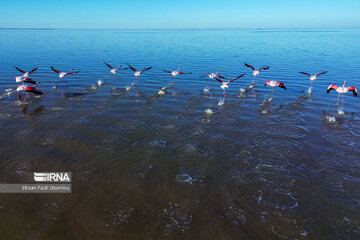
(188, 29)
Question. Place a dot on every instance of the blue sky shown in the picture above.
(184, 14)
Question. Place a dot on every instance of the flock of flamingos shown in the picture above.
(24, 80)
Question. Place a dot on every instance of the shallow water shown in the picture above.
(162, 166)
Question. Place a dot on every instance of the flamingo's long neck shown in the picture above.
(344, 84)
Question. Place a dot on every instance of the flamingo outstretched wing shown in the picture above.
(236, 78)
(305, 73)
(353, 90)
(331, 87)
(57, 71)
(248, 65)
(321, 73)
(22, 71)
(145, 69)
(109, 65)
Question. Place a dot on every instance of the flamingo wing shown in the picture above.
(263, 68)
(321, 73)
(29, 80)
(219, 76)
(331, 87)
(145, 69)
(33, 70)
(305, 73)
(236, 78)
(167, 71)
(353, 90)
(219, 80)
(248, 65)
(184, 73)
(108, 65)
(33, 90)
(22, 71)
(279, 84)
(206, 75)
(57, 71)
(266, 83)
(132, 68)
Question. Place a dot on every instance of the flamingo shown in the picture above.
(224, 84)
(63, 74)
(313, 77)
(273, 84)
(342, 90)
(25, 80)
(212, 76)
(256, 72)
(174, 74)
(137, 73)
(25, 88)
(114, 70)
(26, 74)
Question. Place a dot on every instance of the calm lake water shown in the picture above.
(150, 166)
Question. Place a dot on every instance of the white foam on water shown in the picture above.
(330, 119)
(221, 102)
(128, 88)
(340, 112)
(242, 90)
(206, 90)
(309, 91)
(161, 92)
(209, 111)
(164, 88)
(100, 83)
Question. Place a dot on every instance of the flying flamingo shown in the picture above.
(174, 74)
(25, 88)
(273, 84)
(114, 70)
(224, 84)
(212, 76)
(26, 74)
(256, 72)
(342, 90)
(137, 73)
(63, 74)
(25, 80)
(313, 77)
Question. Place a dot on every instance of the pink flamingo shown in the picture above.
(137, 73)
(114, 70)
(63, 74)
(256, 72)
(174, 74)
(224, 84)
(26, 74)
(342, 90)
(313, 77)
(25, 88)
(273, 84)
(212, 76)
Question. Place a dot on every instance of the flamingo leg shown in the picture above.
(108, 76)
(337, 104)
(224, 93)
(342, 99)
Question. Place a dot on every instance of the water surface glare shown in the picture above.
(159, 162)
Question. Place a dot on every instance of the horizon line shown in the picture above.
(174, 29)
